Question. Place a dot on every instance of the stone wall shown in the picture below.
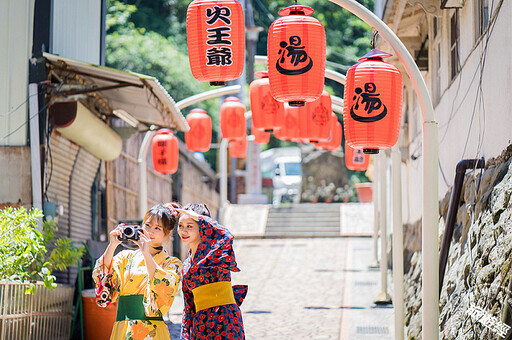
(476, 288)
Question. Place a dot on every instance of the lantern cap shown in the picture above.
(232, 99)
(197, 110)
(375, 54)
(164, 132)
(296, 10)
(261, 74)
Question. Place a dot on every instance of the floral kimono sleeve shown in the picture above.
(163, 287)
(107, 279)
(188, 315)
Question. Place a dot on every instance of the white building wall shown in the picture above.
(16, 22)
(76, 29)
(474, 120)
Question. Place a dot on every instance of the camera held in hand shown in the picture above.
(130, 232)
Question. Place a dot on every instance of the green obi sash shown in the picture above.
(131, 307)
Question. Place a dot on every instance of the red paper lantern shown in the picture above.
(373, 104)
(290, 129)
(296, 56)
(232, 118)
(198, 138)
(238, 147)
(165, 152)
(267, 113)
(216, 40)
(315, 119)
(356, 159)
(260, 135)
(336, 134)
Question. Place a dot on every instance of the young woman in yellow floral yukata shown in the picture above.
(143, 281)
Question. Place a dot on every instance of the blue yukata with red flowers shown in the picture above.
(213, 262)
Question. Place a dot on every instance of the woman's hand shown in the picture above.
(191, 213)
(115, 234)
(144, 242)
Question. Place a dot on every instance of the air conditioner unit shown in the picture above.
(452, 4)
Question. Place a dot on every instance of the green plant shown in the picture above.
(24, 249)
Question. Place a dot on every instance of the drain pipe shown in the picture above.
(460, 171)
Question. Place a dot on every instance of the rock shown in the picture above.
(485, 275)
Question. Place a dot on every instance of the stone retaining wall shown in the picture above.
(473, 302)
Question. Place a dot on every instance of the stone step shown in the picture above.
(285, 229)
(307, 218)
(301, 224)
(303, 234)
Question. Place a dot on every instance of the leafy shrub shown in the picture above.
(24, 249)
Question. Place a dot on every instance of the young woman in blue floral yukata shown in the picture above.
(211, 303)
(143, 281)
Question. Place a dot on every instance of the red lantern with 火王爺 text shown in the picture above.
(315, 119)
(165, 152)
(232, 118)
(356, 159)
(267, 113)
(198, 138)
(372, 107)
(238, 147)
(296, 56)
(216, 40)
(260, 135)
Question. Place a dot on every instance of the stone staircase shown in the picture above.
(304, 220)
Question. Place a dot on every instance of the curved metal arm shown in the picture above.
(430, 215)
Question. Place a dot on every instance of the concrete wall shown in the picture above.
(15, 181)
(474, 109)
(16, 21)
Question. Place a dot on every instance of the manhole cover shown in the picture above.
(372, 330)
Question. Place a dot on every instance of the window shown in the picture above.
(482, 17)
(454, 44)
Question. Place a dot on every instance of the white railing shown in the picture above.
(44, 314)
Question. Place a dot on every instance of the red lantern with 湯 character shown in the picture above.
(198, 138)
(232, 118)
(296, 56)
(267, 113)
(216, 40)
(260, 135)
(356, 159)
(165, 152)
(290, 129)
(315, 119)
(372, 108)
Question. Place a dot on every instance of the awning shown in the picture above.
(119, 93)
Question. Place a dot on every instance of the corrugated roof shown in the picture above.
(141, 96)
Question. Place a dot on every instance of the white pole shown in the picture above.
(398, 247)
(223, 91)
(430, 231)
(35, 156)
(430, 218)
(143, 184)
(383, 297)
(223, 169)
(376, 210)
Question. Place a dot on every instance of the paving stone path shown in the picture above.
(317, 288)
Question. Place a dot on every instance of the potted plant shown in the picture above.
(26, 264)
(24, 254)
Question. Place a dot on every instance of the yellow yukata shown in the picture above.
(127, 275)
